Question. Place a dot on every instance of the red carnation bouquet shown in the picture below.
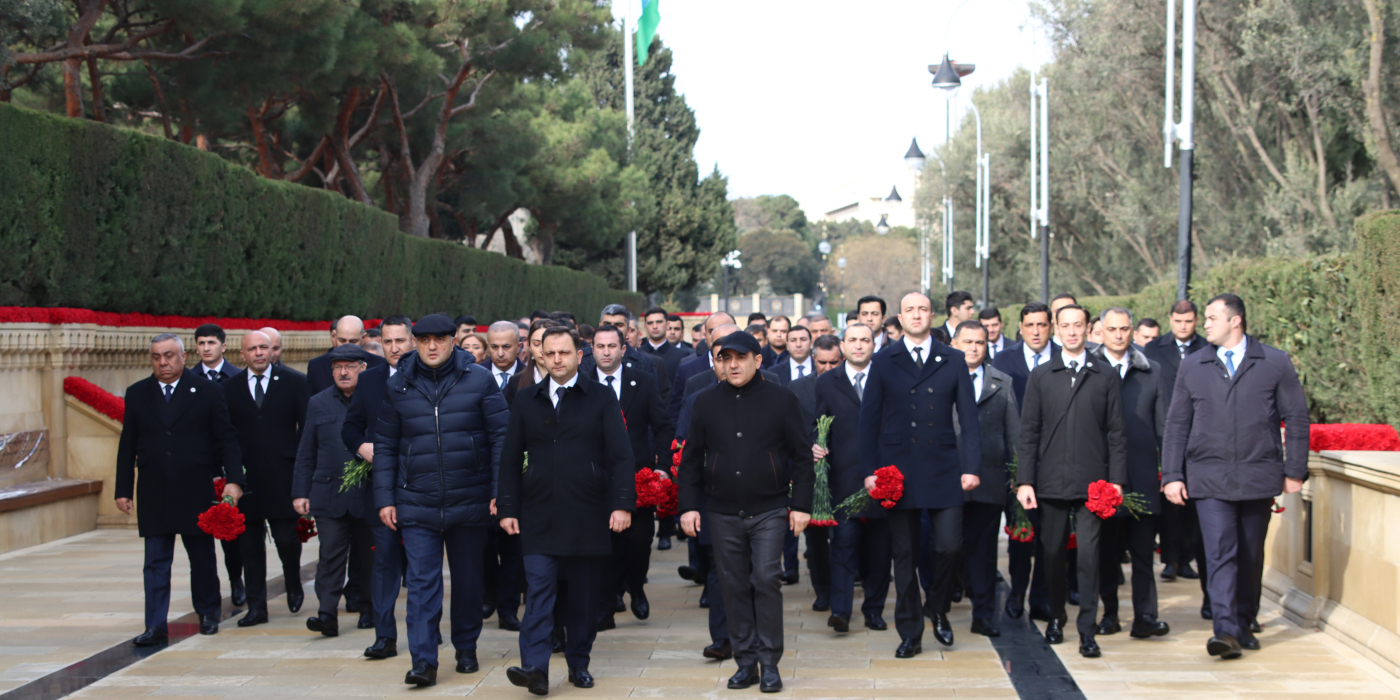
(1104, 500)
(651, 488)
(889, 487)
(306, 528)
(1021, 533)
(1020, 529)
(223, 520)
(672, 504)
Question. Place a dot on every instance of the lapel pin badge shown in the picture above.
(191, 390)
(938, 359)
(633, 383)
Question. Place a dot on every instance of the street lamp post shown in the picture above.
(1183, 131)
(730, 260)
(841, 263)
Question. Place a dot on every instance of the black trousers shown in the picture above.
(1026, 564)
(819, 560)
(1180, 532)
(233, 561)
(1233, 533)
(251, 544)
(1137, 537)
(945, 540)
(341, 539)
(204, 576)
(1054, 530)
(503, 571)
(979, 570)
(542, 585)
(626, 570)
(856, 546)
(748, 554)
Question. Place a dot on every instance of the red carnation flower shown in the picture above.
(1073, 541)
(219, 484)
(107, 404)
(889, 485)
(822, 523)
(1353, 436)
(223, 521)
(1104, 499)
(306, 528)
(651, 489)
(1021, 533)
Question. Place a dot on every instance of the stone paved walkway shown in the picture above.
(63, 602)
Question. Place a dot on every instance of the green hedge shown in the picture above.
(1305, 307)
(112, 219)
(1377, 297)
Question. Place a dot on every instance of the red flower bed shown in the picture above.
(109, 405)
(60, 315)
(1353, 436)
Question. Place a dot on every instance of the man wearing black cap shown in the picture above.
(316, 491)
(435, 454)
(753, 429)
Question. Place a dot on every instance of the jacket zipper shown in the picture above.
(442, 476)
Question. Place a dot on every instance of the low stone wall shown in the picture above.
(1333, 556)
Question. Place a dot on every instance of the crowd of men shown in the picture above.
(515, 451)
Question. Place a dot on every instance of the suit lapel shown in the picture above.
(844, 385)
(900, 357)
(629, 389)
(179, 400)
(990, 386)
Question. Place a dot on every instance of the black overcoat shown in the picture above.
(836, 397)
(581, 469)
(1072, 430)
(178, 449)
(1000, 422)
(268, 438)
(1145, 404)
(321, 459)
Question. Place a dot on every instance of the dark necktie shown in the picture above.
(919, 357)
(258, 390)
(559, 399)
(1182, 349)
(611, 379)
(503, 376)
(168, 391)
(860, 385)
(1073, 372)
(213, 375)
(801, 371)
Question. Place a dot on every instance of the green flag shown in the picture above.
(646, 29)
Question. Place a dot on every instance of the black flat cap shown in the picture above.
(739, 341)
(434, 324)
(348, 352)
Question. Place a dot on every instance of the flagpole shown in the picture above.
(627, 28)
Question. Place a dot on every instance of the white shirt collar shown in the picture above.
(617, 381)
(1030, 355)
(927, 345)
(1080, 360)
(393, 370)
(554, 387)
(806, 364)
(172, 385)
(851, 372)
(267, 381)
(206, 369)
(1237, 351)
(977, 375)
(658, 346)
(1119, 366)
(539, 376)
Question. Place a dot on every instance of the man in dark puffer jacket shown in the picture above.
(436, 452)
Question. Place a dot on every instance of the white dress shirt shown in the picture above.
(172, 386)
(218, 370)
(1078, 360)
(993, 349)
(1031, 355)
(1120, 365)
(927, 346)
(851, 373)
(1182, 349)
(1236, 355)
(266, 384)
(539, 377)
(502, 376)
(805, 364)
(951, 328)
(977, 383)
(554, 388)
(616, 377)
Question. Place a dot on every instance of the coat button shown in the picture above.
(736, 474)
(912, 390)
(913, 407)
(739, 434)
(913, 424)
(930, 390)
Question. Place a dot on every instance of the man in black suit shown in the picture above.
(675, 335)
(618, 315)
(1144, 418)
(826, 356)
(346, 329)
(502, 352)
(1000, 424)
(340, 513)
(1017, 362)
(503, 573)
(798, 363)
(1181, 534)
(656, 342)
(651, 432)
(176, 430)
(906, 419)
(361, 418)
(838, 394)
(870, 312)
(778, 328)
(1071, 436)
(1222, 449)
(562, 509)
(702, 363)
(267, 406)
(210, 342)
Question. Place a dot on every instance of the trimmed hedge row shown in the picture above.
(1308, 308)
(111, 219)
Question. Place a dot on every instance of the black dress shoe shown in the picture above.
(770, 680)
(744, 677)
(705, 602)
(619, 605)
(208, 624)
(1074, 597)
(530, 678)
(1207, 613)
(487, 610)
(821, 604)
(908, 649)
(718, 651)
(838, 623)
(466, 661)
(294, 600)
(1185, 571)
(556, 639)
(351, 607)
(663, 544)
(689, 574)
(607, 623)
(507, 621)
(255, 616)
(1040, 613)
(875, 622)
(1089, 649)
(1110, 625)
(1254, 627)
(366, 621)
(581, 678)
(1148, 626)
(422, 674)
(985, 629)
(1169, 572)
(151, 637)
(641, 609)
(238, 594)
(1015, 609)
(1249, 641)
(942, 631)
(325, 623)
(382, 648)
(789, 579)
(1224, 646)
(1054, 632)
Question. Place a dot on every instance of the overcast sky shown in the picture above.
(801, 97)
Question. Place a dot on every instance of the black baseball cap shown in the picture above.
(739, 341)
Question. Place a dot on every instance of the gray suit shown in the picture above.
(1000, 421)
